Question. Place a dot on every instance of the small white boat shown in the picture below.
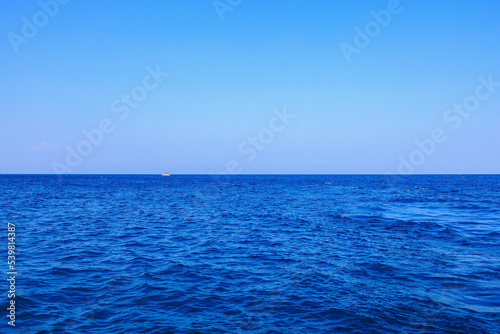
(165, 174)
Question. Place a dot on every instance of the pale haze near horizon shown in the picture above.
(235, 71)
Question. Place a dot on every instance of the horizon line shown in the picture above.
(236, 174)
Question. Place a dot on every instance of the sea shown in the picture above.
(251, 253)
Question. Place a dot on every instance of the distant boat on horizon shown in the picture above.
(165, 174)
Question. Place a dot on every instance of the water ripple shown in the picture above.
(256, 254)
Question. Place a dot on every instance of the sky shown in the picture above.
(249, 86)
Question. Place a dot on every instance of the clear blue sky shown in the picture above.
(227, 76)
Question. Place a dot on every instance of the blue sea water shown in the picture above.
(254, 254)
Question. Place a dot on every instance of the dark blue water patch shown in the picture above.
(255, 254)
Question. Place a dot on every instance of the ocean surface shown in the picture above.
(253, 254)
